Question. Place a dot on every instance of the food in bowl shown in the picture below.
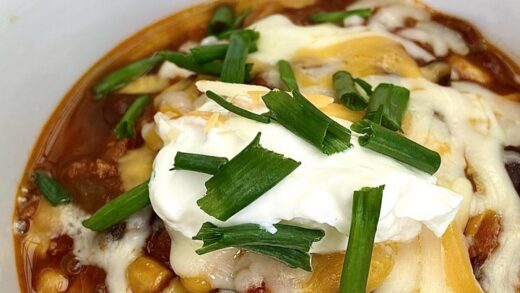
(280, 146)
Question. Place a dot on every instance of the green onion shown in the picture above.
(241, 17)
(287, 75)
(198, 163)
(252, 34)
(119, 209)
(289, 244)
(234, 68)
(375, 116)
(51, 189)
(345, 89)
(222, 20)
(395, 145)
(205, 54)
(302, 118)
(187, 61)
(243, 179)
(394, 100)
(126, 126)
(337, 16)
(364, 85)
(366, 208)
(237, 110)
(123, 76)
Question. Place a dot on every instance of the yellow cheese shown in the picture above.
(457, 267)
(135, 167)
(366, 56)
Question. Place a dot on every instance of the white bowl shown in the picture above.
(45, 46)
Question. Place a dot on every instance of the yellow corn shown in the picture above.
(146, 275)
(196, 284)
(151, 138)
(175, 287)
(51, 281)
(147, 84)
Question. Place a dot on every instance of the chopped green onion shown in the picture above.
(252, 34)
(395, 145)
(375, 116)
(208, 53)
(123, 76)
(289, 244)
(223, 20)
(244, 179)
(234, 68)
(126, 126)
(198, 163)
(394, 100)
(302, 118)
(366, 208)
(204, 54)
(237, 110)
(119, 209)
(187, 61)
(287, 75)
(51, 189)
(241, 17)
(364, 85)
(337, 16)
(345, 89)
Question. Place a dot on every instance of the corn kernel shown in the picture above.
(146, 275)
(175, 287)
(51, 281)
(196, 284)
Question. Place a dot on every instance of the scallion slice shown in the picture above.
(235, 109)
(223, 19)
(366, 208)
(51, 189)
(234, 67)
(394, 100)
(241, 17)
(204, 54)
(302, 118)
(198, 163)
(287, 75)
(348, 95)
(252, 34)
(364, 85)
(126, 126)
(119, 209)
(289, 244)
(244, 179)
(395, 145)
(337, 16)
(187, 61)
(123, 76)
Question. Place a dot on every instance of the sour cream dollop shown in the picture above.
(318, 194)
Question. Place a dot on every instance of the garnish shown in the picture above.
(204, 54)
(364, 85)
(252, 34)
(289, 244)
(234, 68)
(237, 110)
(126, 126)
(287, 75)
(337, 16)
(187, 61)
(119, 209)
(51, 189)
(302, 118)
(244, 179)
(394, 100)
(208, 53)
(345, 89)
(366, 208)
(198, 163)
(395, 145)
(123, 76)
(223, 20)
